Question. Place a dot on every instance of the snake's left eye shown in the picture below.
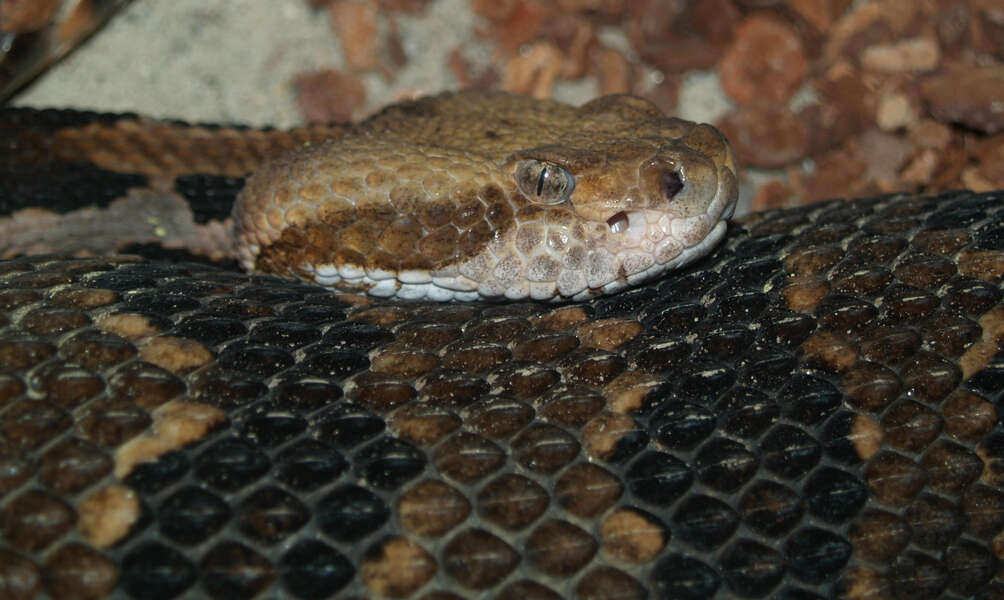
(544, 182)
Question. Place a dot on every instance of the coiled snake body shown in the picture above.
(812, 410)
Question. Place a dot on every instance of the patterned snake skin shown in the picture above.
(483, 195)
(811, 411)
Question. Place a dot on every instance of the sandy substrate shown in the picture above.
(234, 60)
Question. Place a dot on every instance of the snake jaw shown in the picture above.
(645, 228)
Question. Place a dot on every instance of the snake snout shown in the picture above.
(662, 179)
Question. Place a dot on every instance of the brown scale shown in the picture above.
(432, 508)
(571, 406)
(423, 423)
(814, 414)
(467, 457)
(512, 502)
(477, 559)
(527, 590)
(189, 150)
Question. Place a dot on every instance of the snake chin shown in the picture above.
(668, 254)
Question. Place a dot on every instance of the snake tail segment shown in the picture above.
(481, 195)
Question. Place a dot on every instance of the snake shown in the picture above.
(486, 195)
(484, 346)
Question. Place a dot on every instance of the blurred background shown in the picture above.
(821, 98)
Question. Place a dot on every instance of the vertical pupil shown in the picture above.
(540, 180)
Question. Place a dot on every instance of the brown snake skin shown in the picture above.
(812, 411)
(480, 195)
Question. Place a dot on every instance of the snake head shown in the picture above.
(630, 193)
(481, 195)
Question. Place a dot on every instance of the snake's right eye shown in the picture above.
(544, 182)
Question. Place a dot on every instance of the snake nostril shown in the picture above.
(670, 183)
(619, 222)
